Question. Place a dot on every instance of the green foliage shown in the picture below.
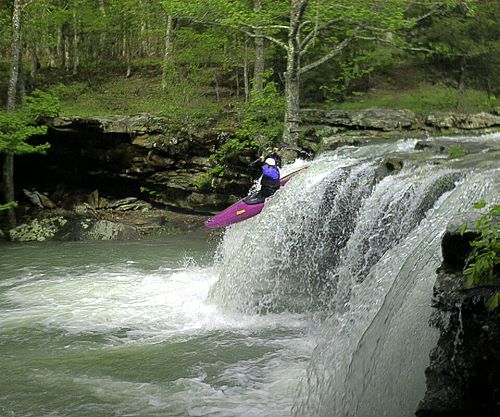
(17, 128)
(456, 151)
(263, 115)
(466, 44)
(485, 255)
(8, 206)
(229, 149)
(261, 127)
(40, 105)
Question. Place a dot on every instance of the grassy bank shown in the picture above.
(424, 99)
(113, 93)
(140, 94)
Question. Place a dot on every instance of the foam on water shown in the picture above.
(124, 341)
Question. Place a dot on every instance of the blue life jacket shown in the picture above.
(270, 181)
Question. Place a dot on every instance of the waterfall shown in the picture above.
(372, 356)
(359, 251)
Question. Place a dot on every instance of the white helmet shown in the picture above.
(270, 161)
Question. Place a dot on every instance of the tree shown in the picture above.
(467, 40)
(258, 77)
(311, 32)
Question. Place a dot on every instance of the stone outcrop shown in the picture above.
(38, 230)
(329, 129)
(125, 219)
(142, 156)
(371, 119)
(462, 121)
(463, 378)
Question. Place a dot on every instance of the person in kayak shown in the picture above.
(270, 181)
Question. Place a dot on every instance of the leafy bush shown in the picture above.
(261, 127)
(263, 115)
(16, 128)
(485, 256)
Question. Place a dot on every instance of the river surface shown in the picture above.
(127, 329)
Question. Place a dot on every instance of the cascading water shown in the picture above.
(361, 254)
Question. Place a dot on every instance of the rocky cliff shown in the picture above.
(463, 378)
(141, 156)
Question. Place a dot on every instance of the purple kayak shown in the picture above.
(243, 209)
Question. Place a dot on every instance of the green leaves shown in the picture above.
(263, 115)
(485, 255)
(8, 206)
(40, 105)
(17, 128)
(493, 302)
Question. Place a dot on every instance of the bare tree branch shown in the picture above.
(269, 38)
(312, 34)
(262, 27)
(334, 52)
(391, 43)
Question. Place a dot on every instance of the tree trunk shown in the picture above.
(21, 83)
(245, 71)
(292, 100)
(34, 61)
(461, 80)
(8, 165)
(292, 75)
(128, 53)
(102, 36)
(167, 55)
(258, 76)
(15, 56)
(76, 41)
(8, 187)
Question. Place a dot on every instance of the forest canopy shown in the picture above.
(198, 59)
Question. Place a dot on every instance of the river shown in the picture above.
(125, 328)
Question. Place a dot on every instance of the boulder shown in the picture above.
(331, 143)
(129, 203)
(478, 121)
(107, 230)
(33, 197)
(441, 120)
(38, 229)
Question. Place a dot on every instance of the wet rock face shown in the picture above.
(463, 378)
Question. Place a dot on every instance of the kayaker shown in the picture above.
(270, 181)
